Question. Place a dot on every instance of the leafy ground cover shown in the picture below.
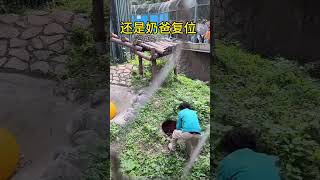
(275, 96)
(143, 143)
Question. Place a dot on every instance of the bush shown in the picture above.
(84, 64)
(275, 96)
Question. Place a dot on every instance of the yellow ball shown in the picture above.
(113, 110)
(9, 154)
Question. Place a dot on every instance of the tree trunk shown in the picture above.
(99, 27)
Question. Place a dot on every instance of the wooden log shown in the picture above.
(124, 39)
(156, 45)
(140, 66)
(114, 35)
(137, 48)
(143, 55)
(149, 47)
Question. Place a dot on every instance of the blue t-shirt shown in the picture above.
(188, 121)
(245, 164)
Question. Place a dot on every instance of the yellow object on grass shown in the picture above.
(113, 110)
(9, 154)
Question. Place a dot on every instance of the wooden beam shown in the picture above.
(137, 48)
(143, 55)
(149, 47)
(114, 35)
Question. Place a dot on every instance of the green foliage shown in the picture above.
(84, 64)
(275, 96)
(80, 6)
(142, 148)
(99, 165)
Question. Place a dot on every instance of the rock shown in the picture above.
(87, 138)
(51, 39)
(36, 43)
(15, 42)
(142, 99)
(61, 58)
(81, 21)
(38, 12)
(54, 28)
(9, 18)
(20, 53)
(62, 16)
(3, 47)
(57, 47)
(66, 45)
(141, 92)
(8, 31)
(72, 95)
(72, 156)
(21, 24)
(42, 54)
(15, 63)
(41, 66)
(88, 119)
(31, 32)
(30, 48)
(38, 20)
(61, 170)
(68, 27)
(3, 60)
(60, 69)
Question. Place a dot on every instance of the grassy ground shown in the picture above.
(143, 143)
(278, 98)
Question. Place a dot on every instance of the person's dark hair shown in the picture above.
(184, 105)
(238, 138)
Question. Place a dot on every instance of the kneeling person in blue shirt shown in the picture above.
(242, 162)
(187, 127)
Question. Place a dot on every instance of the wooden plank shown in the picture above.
(149, 46)
(156, 45)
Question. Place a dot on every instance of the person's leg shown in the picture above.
(177, 134)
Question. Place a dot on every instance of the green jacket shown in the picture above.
(245, 164)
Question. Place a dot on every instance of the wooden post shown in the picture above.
(153, 63)
(140, 66)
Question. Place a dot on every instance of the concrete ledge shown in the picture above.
(198, 47)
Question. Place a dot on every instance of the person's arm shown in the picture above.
(179, 122)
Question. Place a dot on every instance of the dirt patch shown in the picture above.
(168, 127)
(36, 117)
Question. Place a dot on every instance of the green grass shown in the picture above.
(142, 143)
(277, 97)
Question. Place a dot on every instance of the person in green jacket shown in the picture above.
(242, 162)
(187, 127)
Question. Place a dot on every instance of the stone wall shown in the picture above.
(287, 28)
(37, 41)
(195, 61)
